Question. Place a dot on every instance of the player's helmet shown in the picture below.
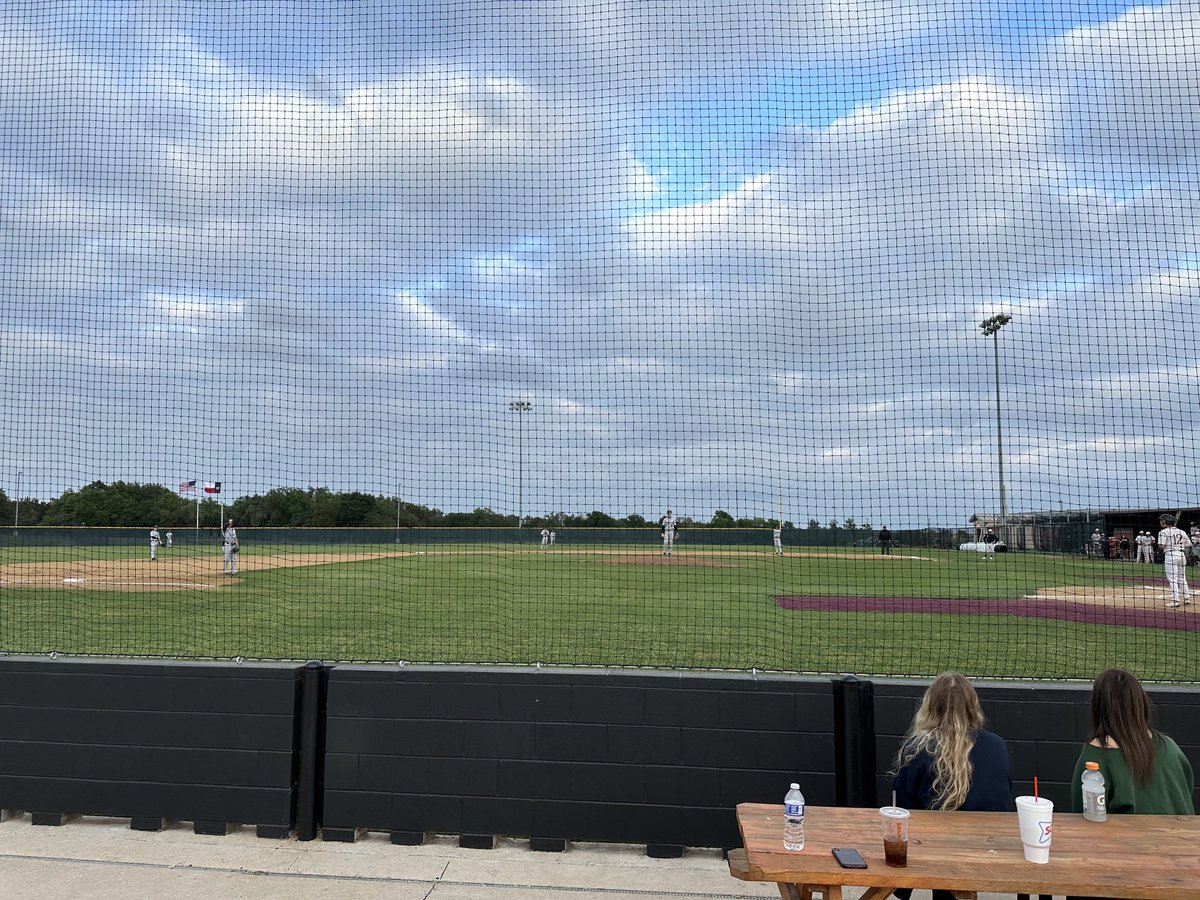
(1167, 519)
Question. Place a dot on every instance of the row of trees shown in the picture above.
(126, 504)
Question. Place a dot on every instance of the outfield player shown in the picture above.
(155, 540)
(777, 538)
(545, 537)
(230, 546)
(667, 528)
(1175, 543)
(552, 539)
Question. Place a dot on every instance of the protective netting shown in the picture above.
(404, 285)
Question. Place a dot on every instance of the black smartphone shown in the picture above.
(849, 858)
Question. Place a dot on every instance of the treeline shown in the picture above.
(126, 504)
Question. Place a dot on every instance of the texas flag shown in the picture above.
(212, 487)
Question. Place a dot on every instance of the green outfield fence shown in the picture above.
(836, 267)
(565, 538)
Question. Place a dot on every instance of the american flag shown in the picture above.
(185, 486)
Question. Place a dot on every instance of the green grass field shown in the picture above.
(589, 606)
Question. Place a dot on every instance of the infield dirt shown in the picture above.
(164, 574)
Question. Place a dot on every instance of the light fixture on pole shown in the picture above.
(992, 326)
(520, 407)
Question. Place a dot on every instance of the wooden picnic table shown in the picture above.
(1135, 857)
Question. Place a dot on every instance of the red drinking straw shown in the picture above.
(1035, 796)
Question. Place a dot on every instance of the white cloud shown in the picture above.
(434, 229)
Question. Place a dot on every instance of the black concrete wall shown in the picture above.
(205, 743)
(654, 758)
(1044, 726)
(574, 755)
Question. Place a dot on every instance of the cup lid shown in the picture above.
(1033, 801)
(894, 812)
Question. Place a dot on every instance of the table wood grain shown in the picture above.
(1135, 857)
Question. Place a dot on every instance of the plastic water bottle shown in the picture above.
(793, 819)
(1093, 793)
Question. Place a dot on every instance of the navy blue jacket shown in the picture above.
(991, 780)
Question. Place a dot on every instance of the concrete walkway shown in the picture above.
(103, 858)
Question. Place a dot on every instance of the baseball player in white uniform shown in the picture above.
(1145, 547)
(545, 538)
(552, 536)
(230, 547)
(170, 536)
(777, 538)
(1175, 543)
(155, 540)
(666, 526)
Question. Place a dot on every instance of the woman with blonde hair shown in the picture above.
(948, 760)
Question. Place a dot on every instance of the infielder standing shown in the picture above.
(155, 540)
(777, 539)
(545, 537)
(1174, 543)
(666, 527)
(229, 544)
(170, 537)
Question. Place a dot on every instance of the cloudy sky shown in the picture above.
(734, 253)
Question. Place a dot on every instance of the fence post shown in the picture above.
(854, 741)
(310, 774)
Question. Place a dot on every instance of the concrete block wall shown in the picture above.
(570, 755)
(198, 742)
(554, 755)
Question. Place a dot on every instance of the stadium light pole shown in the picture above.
(991, 326)
(520, 407)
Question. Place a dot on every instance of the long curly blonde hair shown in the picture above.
(945, 727)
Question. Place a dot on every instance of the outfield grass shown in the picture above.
(479, 604)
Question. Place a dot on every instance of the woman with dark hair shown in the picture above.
(1144, 770)
(948, 760)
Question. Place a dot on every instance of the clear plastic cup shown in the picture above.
(895, 835)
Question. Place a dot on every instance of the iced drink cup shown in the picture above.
(895, 835)
(1035, 816)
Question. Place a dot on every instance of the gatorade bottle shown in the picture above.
(1093, 793)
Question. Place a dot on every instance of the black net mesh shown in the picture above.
(398, 287)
